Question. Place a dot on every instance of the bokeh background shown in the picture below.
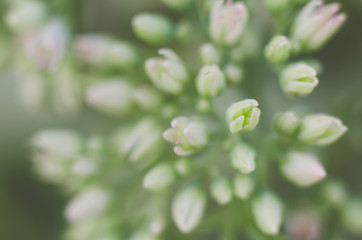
(33, 210)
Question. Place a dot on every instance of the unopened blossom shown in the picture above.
(243, 158)
(243, 116)
(210, 81)
(278, 49)
(227, 22)
(298, 80)
(303, 169)
(187, 134)
(286, 124)
(316, 24)
(221, 190)
(321, 129)
(167, 72)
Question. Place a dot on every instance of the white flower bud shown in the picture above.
(57, 143)
(278, 49)
(243, 116)
(25, 15)
(303, 169)
(159, 177)
(321, 129)
(221, 190)
(243, 186)
(227, 22)
(84, 166)
(267, 211)
(188, 135)
(177, 4)
(102, 51)
(286, 123)
(210, 81)
(298, 80)
(316, 24)
(243, 158)
(234, 73)
(90, 203)
(167, 72)
(113, 96)
(188, 208)
(152, 28)
(209, 54)
(140, 144)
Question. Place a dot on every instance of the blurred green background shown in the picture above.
(31, 209)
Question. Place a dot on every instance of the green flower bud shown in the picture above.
(90, 203)
(243, 158)
(177, 4)
(278, 49)
(188, 208)
(167, 72)
(210, 82)
(227, 22)
(298, 80)
(152, 28)
(243, 186)
(243, 116)
(147, 98)
(159, 177)
(286, 123)
(140, 144)
(113, 96)
(321, 129)
(221, 190)
(209, 54)
(184, 30)
(267, 211)
(234, 73)
(303, 169)
(102, 51)
(188, 135)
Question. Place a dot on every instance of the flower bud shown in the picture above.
(243, 186)
(57, 143)
(243, 116)
(321, 129)
(267, 211)
(102, 51)
(167, 72)
(227, 22)
(90, 203)
(304, 224)
(302, 169)
(141, 144)
(177, 4)
(278, 49)
(188, 135)
(243, 158)
(234, 73)
(159, 177)
(209, 54)
(298, 80)
(188, 208)
(152, 28)
(210, 82)
(221, 190)
(84, 166)
(113, 96)
(316, 24)
(286, 123)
